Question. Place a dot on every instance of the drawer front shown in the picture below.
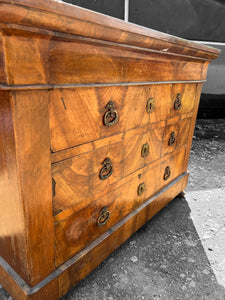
(84, 176)
(182, 98)
(175, 135)
(77, 231)
(142, 148)
(82, 63)
(79, 178)
(82, 115)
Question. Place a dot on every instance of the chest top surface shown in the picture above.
(66, 18)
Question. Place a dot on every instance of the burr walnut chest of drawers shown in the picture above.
(96, 121)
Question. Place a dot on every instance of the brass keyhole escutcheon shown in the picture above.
(104, 216)
(167, 173)
(177, 102)
(110, 117)
(106, 170)
(141, 189)
(150, 105)
(172, 139)
(145, 150)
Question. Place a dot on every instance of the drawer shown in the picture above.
(85, 114)
(175, 135)
(142, 148)
(77, 115)
(182, 98)
(78, 178)
(88, 222)
(81, 62)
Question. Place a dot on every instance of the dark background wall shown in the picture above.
(202, 20)
(114, 8)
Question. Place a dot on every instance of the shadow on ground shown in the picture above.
(165, 259)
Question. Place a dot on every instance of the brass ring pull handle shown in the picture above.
(172, 139)
(167, 173)
(110, 117)
(177, 102)
(150, 105)
(145, 150)
(106, 170)
(104, 217)
(141, 189)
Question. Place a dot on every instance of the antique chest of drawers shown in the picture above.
(96, 120)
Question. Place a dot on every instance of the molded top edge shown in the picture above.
(84, 22)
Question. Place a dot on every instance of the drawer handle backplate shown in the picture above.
(111, 115)
(167, 173)
(104, 217)
(177, 102)
(150, 105)
(145, 150)
(172, 139)
(141, 189)
(106, 170)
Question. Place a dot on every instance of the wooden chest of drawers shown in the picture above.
(96, 120)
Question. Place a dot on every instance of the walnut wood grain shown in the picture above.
(76, 115)
(12, 227)
(75, 232)
(78, 178)
(82, 264)
(181, 131)
(2, 62)
(61, 17)
(152, 135)
(29, 63)
(77, 62)
(187, 95)
(27, 225)
(87, 147)
(59, 61)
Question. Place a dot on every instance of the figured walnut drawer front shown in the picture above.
(82, 176)
(88, 222)
(143, 147)
(175, 135)
(85, 114)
